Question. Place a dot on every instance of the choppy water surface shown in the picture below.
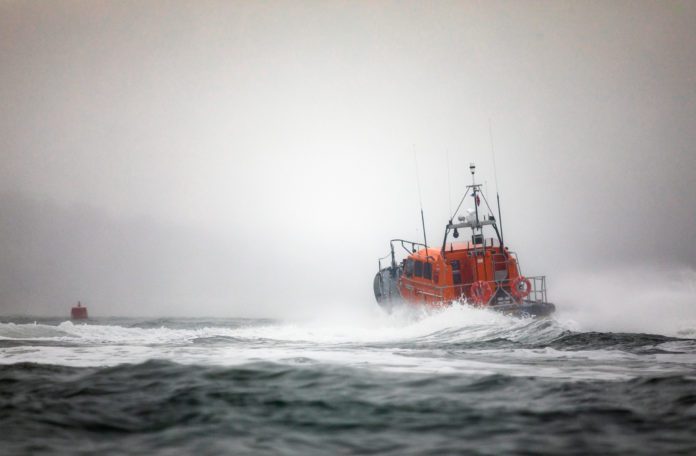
(459, 381)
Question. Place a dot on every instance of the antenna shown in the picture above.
(495, 176)
(420, 201)
(449, 184)
(474, 189)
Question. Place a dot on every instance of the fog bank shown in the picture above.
(254, 159)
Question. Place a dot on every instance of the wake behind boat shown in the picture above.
(481, 271)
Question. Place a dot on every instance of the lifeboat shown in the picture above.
(480, 270)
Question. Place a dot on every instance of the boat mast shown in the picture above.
(425, 238)
(420, 201)
(464, 221)
(476, 225)
(472, 168)
(495, 175)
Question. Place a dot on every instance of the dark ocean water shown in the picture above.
(462, 381)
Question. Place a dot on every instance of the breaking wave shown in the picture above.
(459, 339)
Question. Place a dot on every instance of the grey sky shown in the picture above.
(240, 156)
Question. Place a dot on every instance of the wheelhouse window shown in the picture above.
(456, 273)
(419, 269)
(408, 267)
(428, 271)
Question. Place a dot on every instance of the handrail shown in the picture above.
(537, 293)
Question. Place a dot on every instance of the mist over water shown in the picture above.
(227, 158)
(216, 180)
(654, 300)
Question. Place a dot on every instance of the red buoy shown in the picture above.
(78, 312)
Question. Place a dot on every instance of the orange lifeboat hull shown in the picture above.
(480, 275)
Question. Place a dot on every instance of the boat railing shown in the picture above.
(503, 290)
(537, 290)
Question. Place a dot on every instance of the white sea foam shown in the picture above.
(455, 340)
